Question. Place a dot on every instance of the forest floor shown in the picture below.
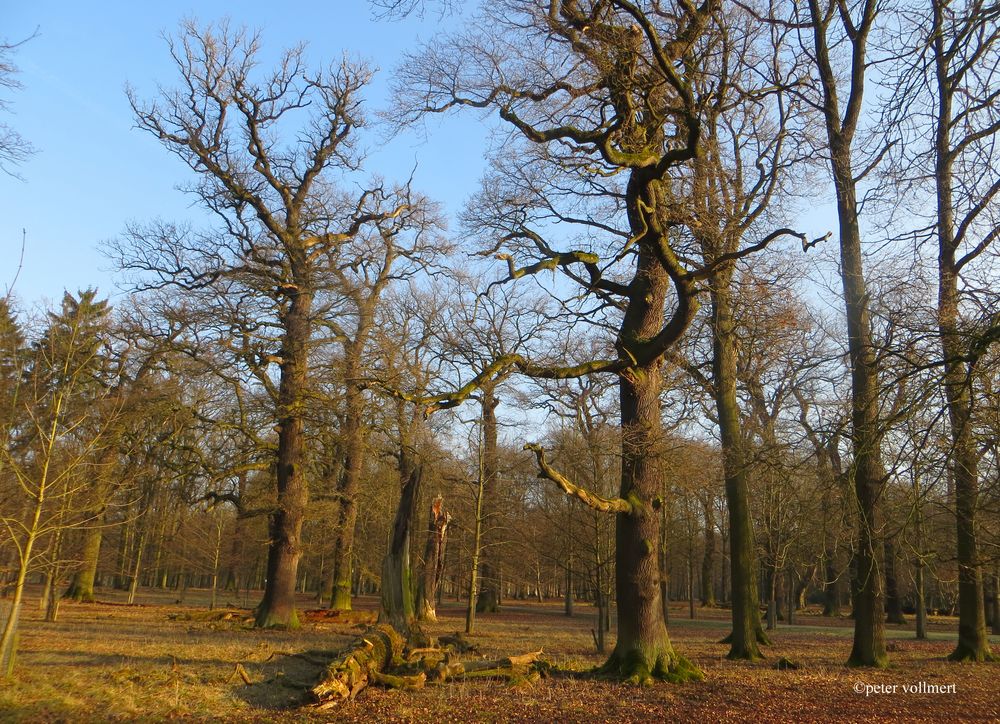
(163, 660)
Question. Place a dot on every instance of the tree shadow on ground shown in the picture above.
(284, 680)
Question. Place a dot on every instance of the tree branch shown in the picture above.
(591, 500)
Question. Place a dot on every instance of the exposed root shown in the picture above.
(760, 635)
(641, 670)
(965, 653)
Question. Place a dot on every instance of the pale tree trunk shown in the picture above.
(350, 481)
(8, 638)
(477, 540)
(708, 558)
(918, 582)
(81, 588)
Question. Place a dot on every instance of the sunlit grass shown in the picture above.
(104, 663)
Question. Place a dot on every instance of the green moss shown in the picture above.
(678, 670)
(637, 668)
(270, 623)
(341, 600)
(881, 662)
(966, 653)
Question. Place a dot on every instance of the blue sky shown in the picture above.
(93, 171)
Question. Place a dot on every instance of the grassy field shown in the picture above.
(161, 660)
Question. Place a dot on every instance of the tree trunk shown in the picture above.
(489, 578)
(921, 600)
(568, 600)
(996, 602)
(973, 642)
(233, 578)
(790, 596)
(866, 435)
(708, 558)
(747, 632)
(831, 587)
(9, 636)
(434, 550)
(643, 649)
(771, 583)
(398, 604)
(81, 588)
(350, 480)
(893, 601)
(285, 523)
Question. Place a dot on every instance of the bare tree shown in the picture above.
(14, 149)
(284, 226)
(835, 38)
(733, 191)
(43, 453)
(945, 115)
(596, 86)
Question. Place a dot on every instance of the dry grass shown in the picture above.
(109, 662)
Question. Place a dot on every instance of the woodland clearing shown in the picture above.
(161, 660)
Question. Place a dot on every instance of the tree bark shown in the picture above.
(747, 632)
(350, 480)
(398, 603)
(831, 587)
(489, 573)
(893, 601)
(347, 675)
(973, 642)
(866, 436)
(708, 558)
(81, 588)
(918, 581)
(643, 650)
(996, 602)
(434, 552)
(285, 523)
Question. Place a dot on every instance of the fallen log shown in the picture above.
(511, 667)
(378, 649)
(377, 658)
(458, 643)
